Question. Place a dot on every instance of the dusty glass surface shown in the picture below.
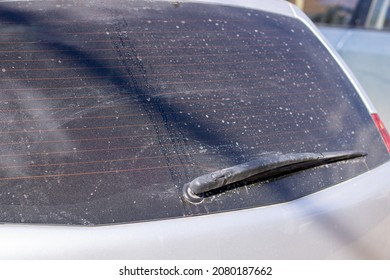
(108, 108)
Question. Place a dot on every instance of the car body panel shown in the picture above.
(369, 61)
(365, 47)
(333, 50)
(330, 224)
(273, 6)
(347, 220)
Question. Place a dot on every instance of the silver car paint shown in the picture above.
(300, 15)
(349, 220)
(367, 52)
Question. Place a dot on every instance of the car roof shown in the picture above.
(288, 9)
(274, 6)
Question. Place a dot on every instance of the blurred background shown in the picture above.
(365, 13)
(360, 31)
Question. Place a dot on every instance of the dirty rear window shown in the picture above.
(107, 109)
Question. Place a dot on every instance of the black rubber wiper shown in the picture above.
(266, 167)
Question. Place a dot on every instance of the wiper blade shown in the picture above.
(267, 166)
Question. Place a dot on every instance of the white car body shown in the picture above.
(350, 220)
(366, 50)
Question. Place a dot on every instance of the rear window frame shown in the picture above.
(167, 120)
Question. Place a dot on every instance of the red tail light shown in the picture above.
(382, 129)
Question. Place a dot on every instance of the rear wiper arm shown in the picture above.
(267, 166)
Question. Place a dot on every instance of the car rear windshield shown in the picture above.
(109, 107)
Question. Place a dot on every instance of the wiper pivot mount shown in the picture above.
(266, 166)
